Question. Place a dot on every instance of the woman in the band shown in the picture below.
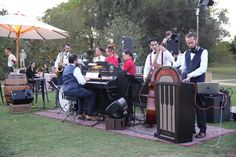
(99, 57)
(111, 58)
(129, 64)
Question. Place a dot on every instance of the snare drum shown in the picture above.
(64, 104)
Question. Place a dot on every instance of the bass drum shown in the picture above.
(64, 104)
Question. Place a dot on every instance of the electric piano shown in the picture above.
(103, 82)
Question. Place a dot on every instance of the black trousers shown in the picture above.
(9, 70)
(201, 114)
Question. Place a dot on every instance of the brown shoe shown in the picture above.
(81, 116)
(200, 135)
(91, 117)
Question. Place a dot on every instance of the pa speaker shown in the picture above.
(173, 44)
(22, 96)
(127, 43)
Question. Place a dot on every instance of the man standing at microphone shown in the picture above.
(194, 67)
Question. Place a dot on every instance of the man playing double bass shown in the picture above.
(158, 56)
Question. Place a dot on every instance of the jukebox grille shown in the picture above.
(167, 107)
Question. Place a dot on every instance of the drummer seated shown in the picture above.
(73, 82)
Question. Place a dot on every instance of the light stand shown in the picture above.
(197, 15)
(201, 3)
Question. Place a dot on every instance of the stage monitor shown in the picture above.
(117, 109)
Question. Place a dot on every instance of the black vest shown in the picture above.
(69, 80)
(193, 64)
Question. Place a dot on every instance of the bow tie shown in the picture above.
(194, 51)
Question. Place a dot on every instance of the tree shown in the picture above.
(122, 26)
(92, 22)
(4, 43)
(220, 54)
(233, 46)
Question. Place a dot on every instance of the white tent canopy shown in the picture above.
(23, 27)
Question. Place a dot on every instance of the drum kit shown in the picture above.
(63, 103)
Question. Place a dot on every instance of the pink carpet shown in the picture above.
(138, 131)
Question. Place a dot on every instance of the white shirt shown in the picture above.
(62, 57)
(203, 64)
(78, 75)
(168, 59)
(10, 62)
(179, 61)
(99, 59)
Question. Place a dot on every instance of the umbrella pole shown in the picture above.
(17, 50)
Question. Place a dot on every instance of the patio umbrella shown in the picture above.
(23, 27)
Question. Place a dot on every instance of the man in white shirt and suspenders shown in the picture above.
(158, 56)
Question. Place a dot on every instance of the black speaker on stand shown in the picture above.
(127, 43)
(173, 44)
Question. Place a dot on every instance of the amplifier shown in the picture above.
(215, 102)
(22, 96)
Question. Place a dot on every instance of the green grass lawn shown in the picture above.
(219, 73)
(27, 135)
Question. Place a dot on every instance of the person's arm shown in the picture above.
(115, 62)
(203, 65)
(78, 75)
(170, 58)
(94, 59)
(147, 68)
(103, 59)
(183, 63)
(179, 62)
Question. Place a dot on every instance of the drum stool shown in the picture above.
(72, 101)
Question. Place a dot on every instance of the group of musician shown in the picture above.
(193, 64)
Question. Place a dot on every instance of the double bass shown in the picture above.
(151, 108)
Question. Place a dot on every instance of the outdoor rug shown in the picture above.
(138, 131)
